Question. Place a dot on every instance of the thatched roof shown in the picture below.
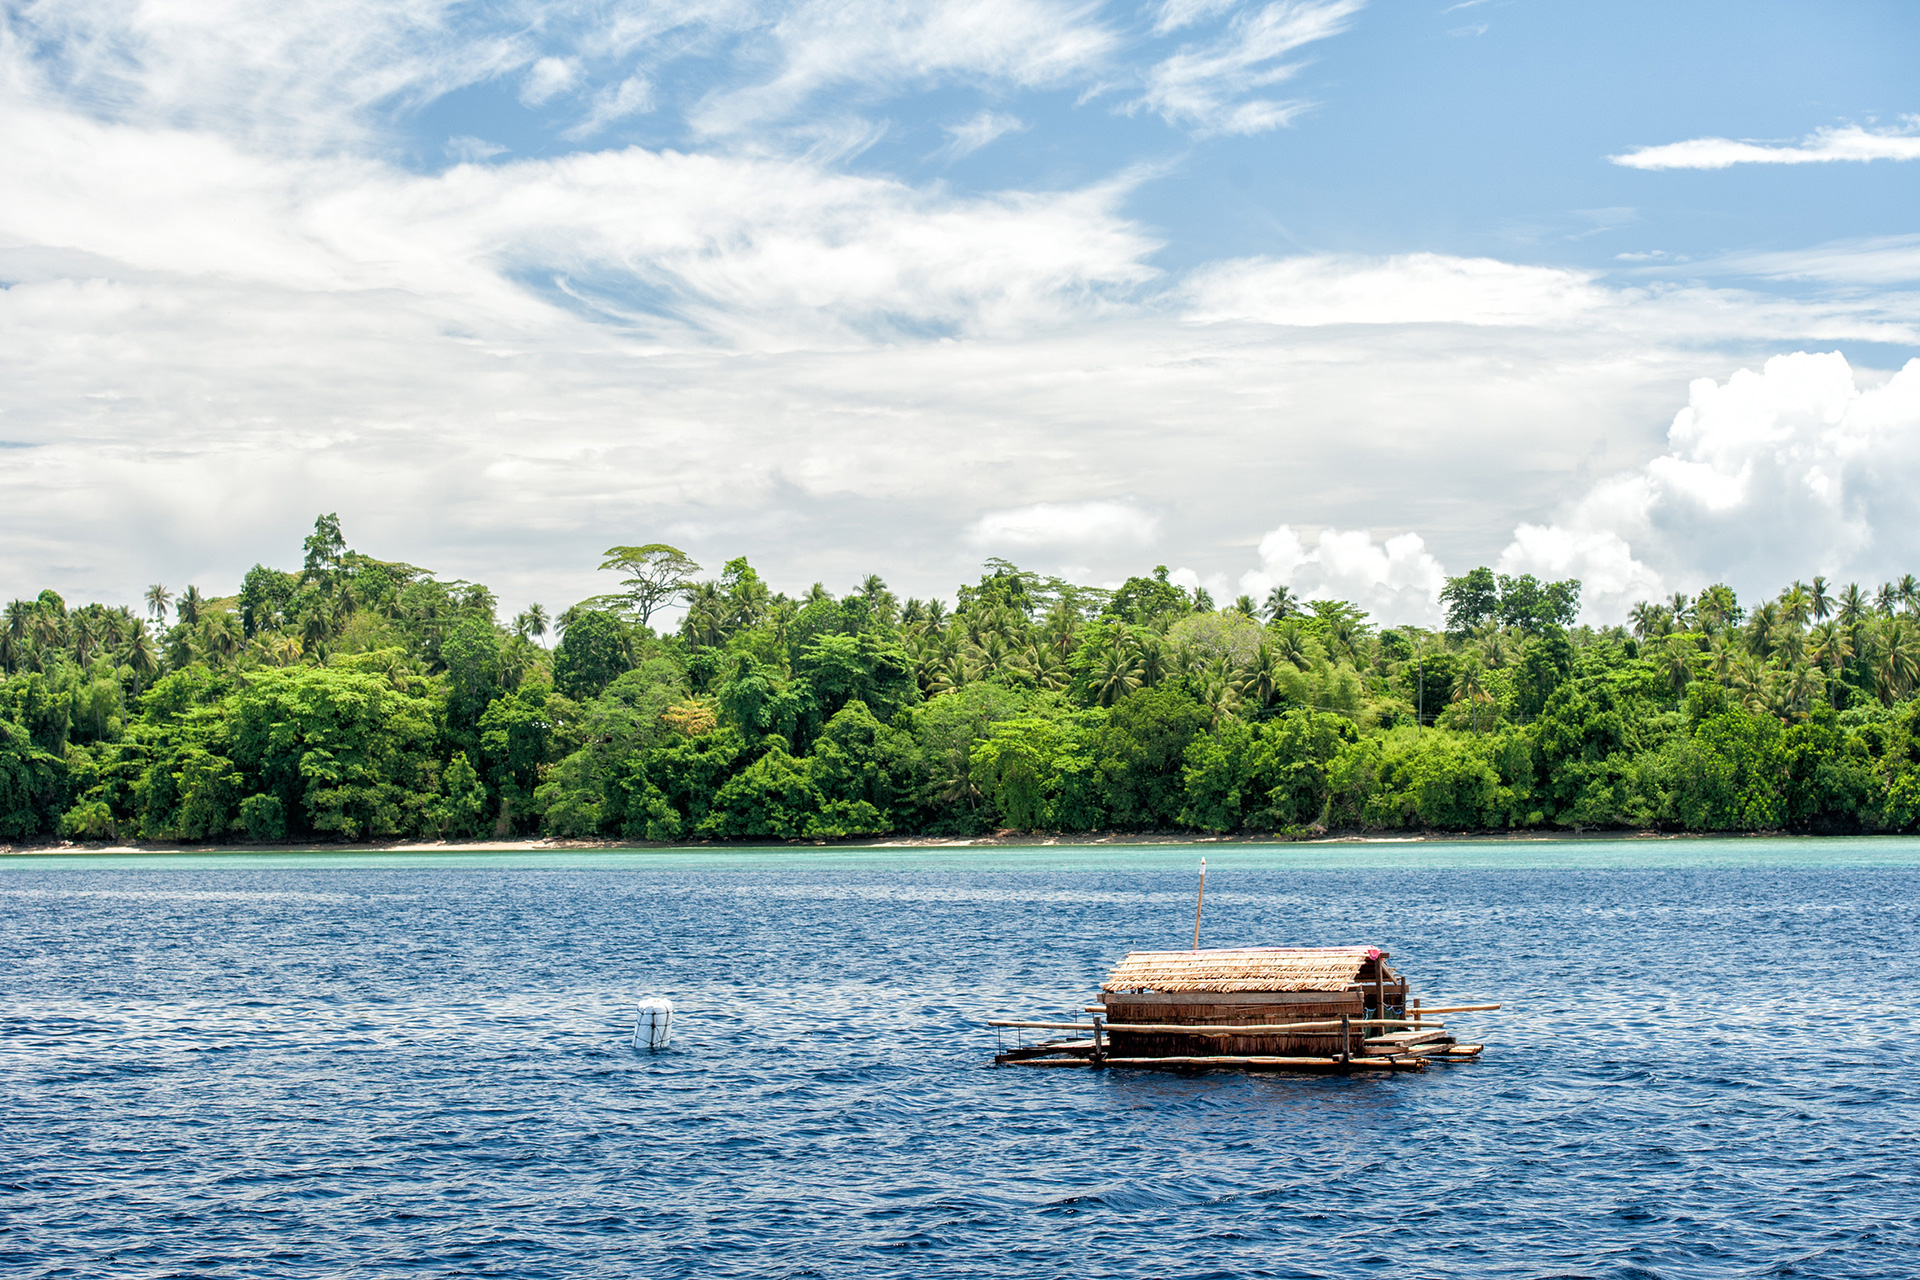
(1242, 969)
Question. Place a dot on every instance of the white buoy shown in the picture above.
(654, 1027)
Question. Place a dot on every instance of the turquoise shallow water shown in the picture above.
(371, 1064)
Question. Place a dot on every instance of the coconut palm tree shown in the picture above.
(1281, 604)
(1676, 661)
(1897, 660)
(1821, 599)
(1115, 676)
(1245, 604)
(1048, 668)
(1290, 644)
(1884, 600)
(1907, 592)
(532, 622)
(1258, 682)
(1763, 629)
(1681, 606)
(158, 597)
(1470, 686)
(1796, 605)
(1801, 688)
(1853, 608)
(1156, 658)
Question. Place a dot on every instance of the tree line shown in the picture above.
(356, 698)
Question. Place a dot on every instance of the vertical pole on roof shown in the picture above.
(1201, 901)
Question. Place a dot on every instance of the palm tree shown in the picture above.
(1898, 662)
(1796, 605)
(532, 622)
(1676, 659)
(1049, 671)
(1289, 641)
(82, 637)
(1156, 658)
(1748, 678)
(191, 602)
(1822, 600)
(1763, 629)
(1115, 676)
(1281, 603)
(1801, 689)
(1853, 606)
(1650, 619)
(818, 594)
(142, 658)
(1681, 605)
(223, 636)
(1470, 685)
(1884, 599)
(157, 599)
(1907, 591)
(1259, 680)
(1721, 656)
(1245, 604)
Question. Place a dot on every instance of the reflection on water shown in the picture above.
(393, 1064)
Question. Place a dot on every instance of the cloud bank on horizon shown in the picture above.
(1228, 285)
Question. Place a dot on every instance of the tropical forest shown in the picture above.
(356, 699)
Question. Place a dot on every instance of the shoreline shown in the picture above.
(998, 839)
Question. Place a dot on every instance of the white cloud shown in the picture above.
(970, 135)
(1851, 142)
(1063, 525)
(1395, 579)
(878, 43)
(631, 97)
(1875, 260)
(465, 149)
(547, 78)
(1205, 87)
(1176, 14)
(1789, 472)
(1410, 289)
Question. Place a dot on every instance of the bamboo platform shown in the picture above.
(1318, 1011)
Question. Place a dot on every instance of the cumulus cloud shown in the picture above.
(1395, 579)
(1823, 146)
(1791, 471)
(1065, 526)
(1208, 86)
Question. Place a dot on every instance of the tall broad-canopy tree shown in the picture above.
(657, 575)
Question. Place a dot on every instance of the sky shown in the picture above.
(1345, 295)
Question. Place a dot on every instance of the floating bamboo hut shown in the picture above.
(1317, 1009)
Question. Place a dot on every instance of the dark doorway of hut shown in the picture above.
(1320, 1010)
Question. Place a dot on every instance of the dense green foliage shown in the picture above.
(364, 699)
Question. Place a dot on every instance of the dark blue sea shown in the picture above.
(383, 1065)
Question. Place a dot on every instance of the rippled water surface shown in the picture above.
(385, 1065)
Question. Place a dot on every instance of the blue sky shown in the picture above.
(1347, 295)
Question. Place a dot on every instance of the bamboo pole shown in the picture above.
(1222, 1029)
(1199, 902)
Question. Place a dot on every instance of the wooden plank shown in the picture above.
(1409, 1038)
(1462, 1008)
(1237, 1029)
(1322, 1064)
